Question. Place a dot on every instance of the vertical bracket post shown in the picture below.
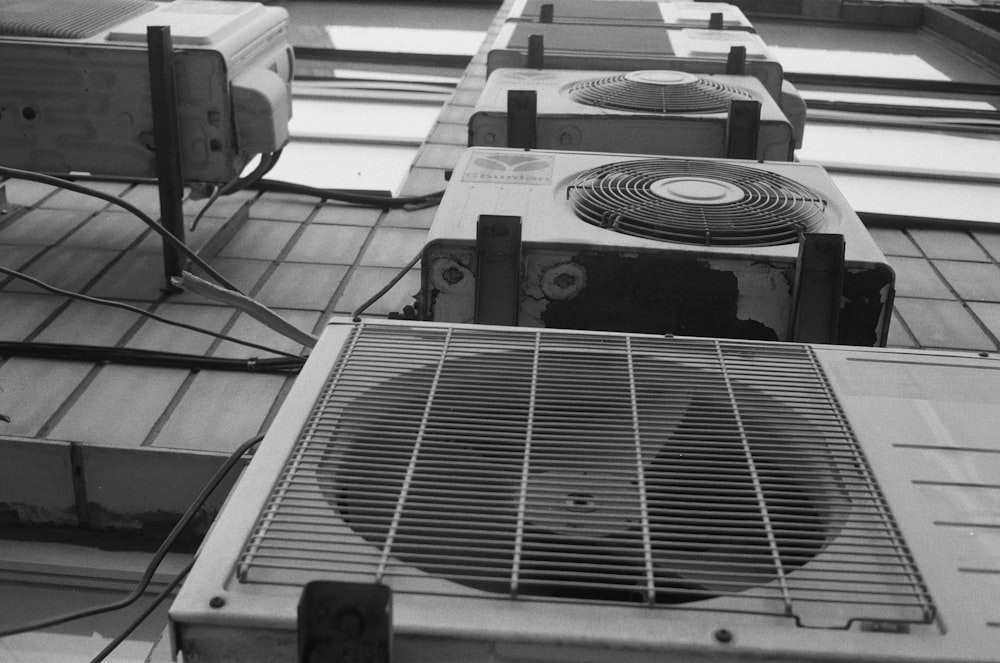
(498, 269)
(536, 52)
(546, 13)
(340, 622)
(716, 21)
(736, 62)
(522, 119)
(167, 141)
(819, 286)
(743, 129)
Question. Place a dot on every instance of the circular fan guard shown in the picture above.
(696, 202)
(657, 92)
(468, 488)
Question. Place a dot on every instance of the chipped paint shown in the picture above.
(765, 296)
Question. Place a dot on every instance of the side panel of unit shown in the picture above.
(86, 108)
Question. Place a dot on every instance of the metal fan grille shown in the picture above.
(622, 92)
(554, 466)
(67, 20)
(767, 209)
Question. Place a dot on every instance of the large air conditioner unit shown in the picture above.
(78, 97)
(632, 48)
(632, 12)
(640, 112)
(542, 495)
(700, 247)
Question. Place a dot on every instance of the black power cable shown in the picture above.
(134, 309)
(352, 197)
(32, 176)
(156, 358)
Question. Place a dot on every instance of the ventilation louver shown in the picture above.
(66, 20)
(696, 202)
(666, 473)
(657, 92)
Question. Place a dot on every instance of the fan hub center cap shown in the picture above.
(661, 77)
(696, 190)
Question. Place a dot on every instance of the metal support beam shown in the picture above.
(498, 269)
(167, 139)
(819, 285)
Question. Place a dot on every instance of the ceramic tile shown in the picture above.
(136, 276)
(302, 286)
(78, 201)
(990, 241)
(261, 240)
(989, 315)
(393, 247)
(899, 335)
(25, 192)
(219, 411)
(948, 245)
(329, 245)
(45, 227)
(246, 328)
(156, 335)
(120, 406)
(973, 281)
(366, 281)
(915, 277)
(21, 314)
(65, 267)
(894, 242)
(107, 230)
(943, 324)
(90, 324)
(23, 380)
(347, 215)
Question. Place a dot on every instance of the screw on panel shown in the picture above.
(217, 602)
(723, 635)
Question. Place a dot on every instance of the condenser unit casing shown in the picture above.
(703, 247)
(632, 12)
(539, 495)
(79, 98)
(644, 112)
(633, 48)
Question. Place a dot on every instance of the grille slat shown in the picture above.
(670, 473)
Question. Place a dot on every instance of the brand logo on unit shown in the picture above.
(509, 168)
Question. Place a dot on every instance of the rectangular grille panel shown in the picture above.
(670, 473)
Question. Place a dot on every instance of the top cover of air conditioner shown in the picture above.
(640, 112)
(633, 12)
(79, 98)
(700, 247)
(632, 48)
(542, 495)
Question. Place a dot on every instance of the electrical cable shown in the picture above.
(127, 631)
(155, 358)
(387, 287)
(32, 176)
(267, 162)
(127, 307)
(157, 558)
(352, 197)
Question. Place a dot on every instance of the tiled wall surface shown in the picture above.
(164, 429)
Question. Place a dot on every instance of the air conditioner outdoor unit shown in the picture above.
(632, 12)
(640, 112)
(542, 495)
(633, 48)
(78, 99)
(700, 247)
